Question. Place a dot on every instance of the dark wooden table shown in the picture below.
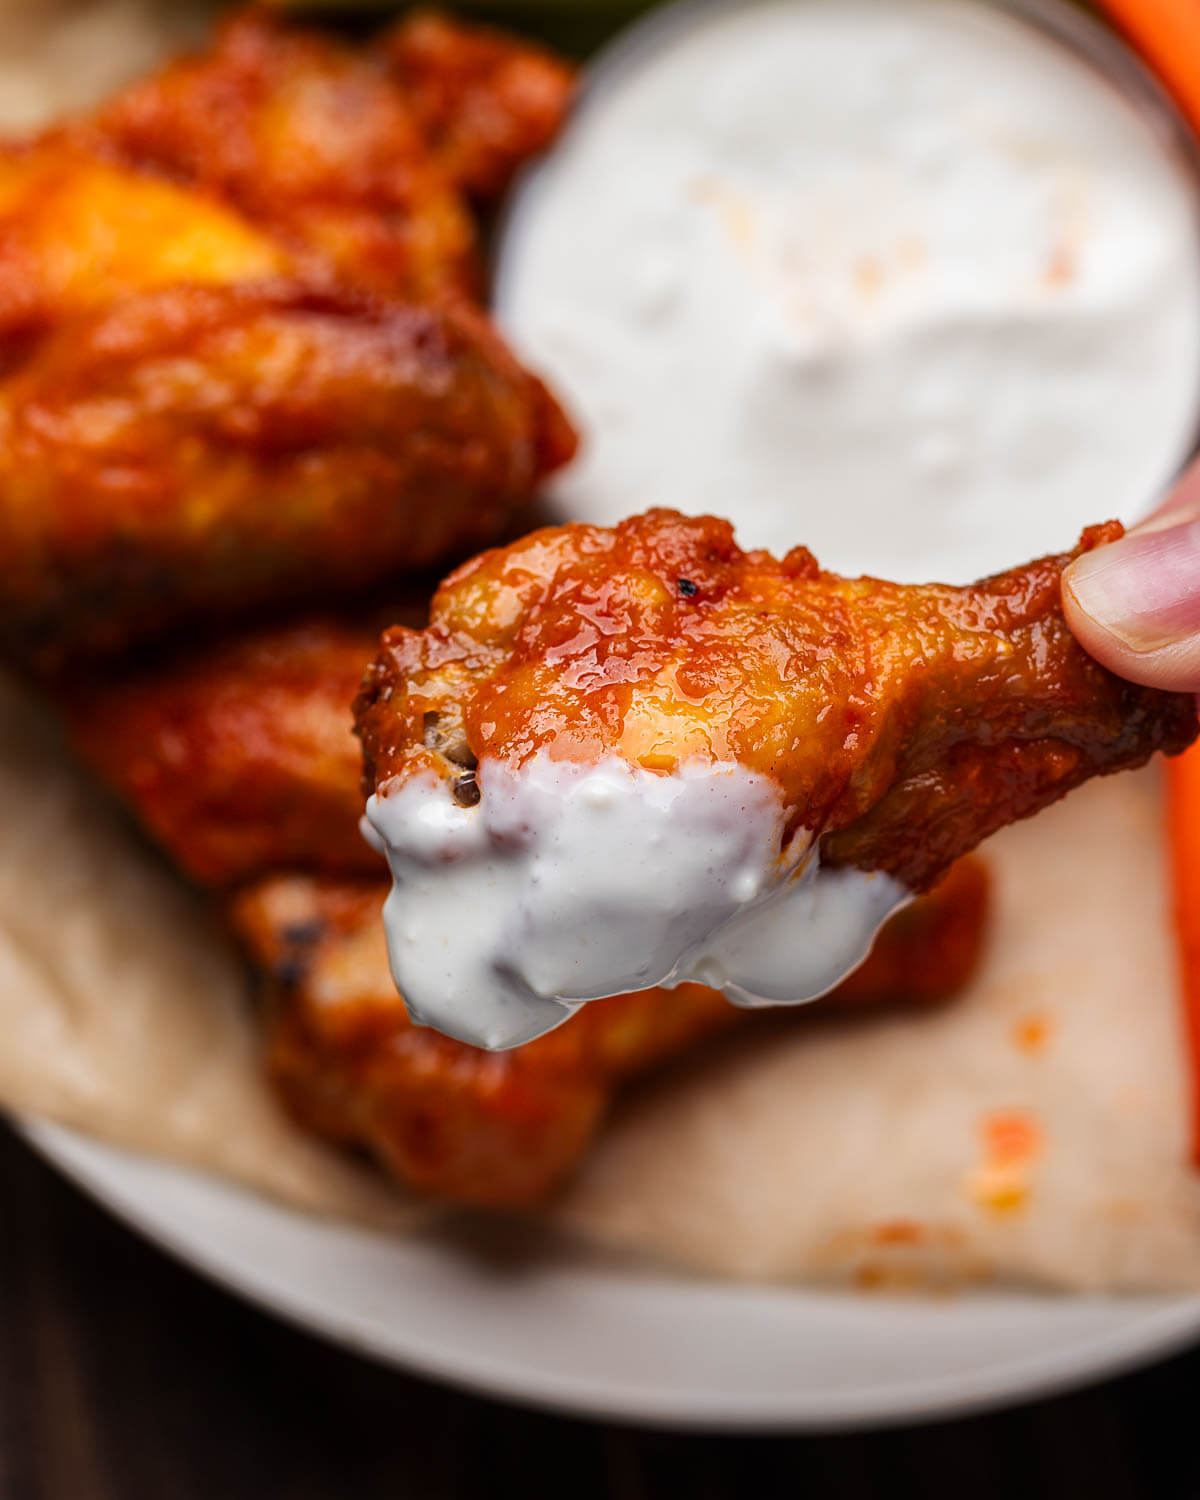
(125, 1377)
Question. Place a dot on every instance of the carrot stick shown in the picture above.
(1183, 803)
(1167, 34)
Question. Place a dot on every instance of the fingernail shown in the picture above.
(1144, 589)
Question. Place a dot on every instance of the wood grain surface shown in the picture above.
(125, 1377)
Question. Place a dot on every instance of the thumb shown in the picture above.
(1135, 604)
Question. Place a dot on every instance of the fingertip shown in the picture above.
(1172, 664)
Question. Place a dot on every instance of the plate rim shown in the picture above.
(1169, 1326)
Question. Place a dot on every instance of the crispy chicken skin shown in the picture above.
(238, 364)
(485, 102)
(504, 1129)
(902, 724)
(274, 152)
(189, 453)
(240, 758)
(313, 140)
(359, 156)
(78, 233)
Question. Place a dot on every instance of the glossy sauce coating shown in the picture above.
(239, 759)
(484, 101)
(902, 724)
(359, 156)
(239, 364)
(197, 451)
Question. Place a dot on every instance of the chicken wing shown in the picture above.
(311, 139)
(902, 725)
(196, 452)
(503, 1129)
(484, 102)
(240, 758)
(237, 362)
(360, 157)
(277, 151)
(641, 755)
(78, 233)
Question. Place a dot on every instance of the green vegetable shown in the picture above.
(576, 27)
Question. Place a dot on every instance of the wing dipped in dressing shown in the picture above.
(628, 757)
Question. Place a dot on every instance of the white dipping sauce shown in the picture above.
(566, 882)
(904, 280)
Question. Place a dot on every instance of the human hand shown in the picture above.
(1135, 604)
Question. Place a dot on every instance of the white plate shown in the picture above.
(617, 1342)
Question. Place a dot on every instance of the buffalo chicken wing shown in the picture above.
(642, 756)
(901, 724)
(238, 361)
(239, 758)
(189, 453)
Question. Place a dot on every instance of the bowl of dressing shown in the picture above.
(916, 285)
